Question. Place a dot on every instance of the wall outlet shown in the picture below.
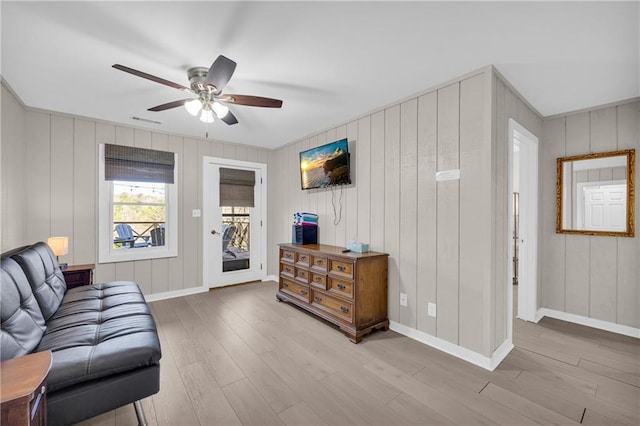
(431, 309)
(403, 299)
(195, 213)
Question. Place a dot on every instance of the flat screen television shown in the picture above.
(325, 165)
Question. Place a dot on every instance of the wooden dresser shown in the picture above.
(347, 289)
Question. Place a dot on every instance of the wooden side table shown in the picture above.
(78, 275)
(23, 391)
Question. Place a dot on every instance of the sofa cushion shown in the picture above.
(100, 330)
(21, 323)
(45, 277)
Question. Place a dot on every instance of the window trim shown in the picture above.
(106, 252)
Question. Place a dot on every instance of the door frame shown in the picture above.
(206, 214)
(527, 294)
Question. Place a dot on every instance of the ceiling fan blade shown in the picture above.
(220, 73)
(150, 77)
(256, 101)
(168, 105)
(230, 119)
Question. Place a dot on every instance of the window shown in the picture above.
(137, 208)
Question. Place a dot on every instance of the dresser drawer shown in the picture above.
(288, 256)
(302, 275)
(287, 270)
(333, 305)
(319, 280)
(342, 287)
(341, 268)
(297, 290)
(303, 260)
(319, 263)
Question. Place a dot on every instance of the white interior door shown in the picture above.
(527, 177)
(234, 236)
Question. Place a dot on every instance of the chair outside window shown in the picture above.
(126, 237)
(227, 236)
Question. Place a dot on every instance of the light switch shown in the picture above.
(403, 299)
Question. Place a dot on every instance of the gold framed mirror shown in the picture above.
(595, 194)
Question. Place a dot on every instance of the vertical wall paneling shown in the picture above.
(321, 194)
(475, 207)
(629, 248)
(142, 268)
(503, 202)
(190, 229)
(160, 267)
(14, 155)
(392, 206)
(125, 271)
(38, 176)
(577, 247)
(604, 250)
(228, 151)
(427, 156)
(377, 169)
(204, 149)
(84, 191)
(448, 214)
(61, 181)
(591, 276)
(348, 204)
(363, 180)
(312, 194)
(104, 272)
(350, 213)
(552, 245)
(408, 210)
(294, 191)
(329, 231)
(176, 264)
(57, 157)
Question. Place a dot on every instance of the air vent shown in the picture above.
(146, 120)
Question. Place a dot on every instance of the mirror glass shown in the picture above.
(595, 194)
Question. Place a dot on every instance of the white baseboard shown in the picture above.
(488, 363)
(270, 278)
(589, 322)
(176, 293)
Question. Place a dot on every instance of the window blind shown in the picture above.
(236, 187)
(138, 164)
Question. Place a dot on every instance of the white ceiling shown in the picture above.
(328, 62)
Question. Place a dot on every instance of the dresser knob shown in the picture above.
(285, 285)
(344, 309)
(303, 292)
(318, 279)
(341, 268)
(341, 286)
(318, 299)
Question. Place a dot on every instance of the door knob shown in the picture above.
(214, 232)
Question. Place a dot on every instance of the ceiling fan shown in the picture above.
(207, 85)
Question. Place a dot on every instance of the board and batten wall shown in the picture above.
(53, 179)
(592, 277)
(439, 235)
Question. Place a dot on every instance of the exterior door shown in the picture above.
(234, 237)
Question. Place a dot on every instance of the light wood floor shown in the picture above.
(236, 356)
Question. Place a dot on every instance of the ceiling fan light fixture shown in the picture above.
(193, 107)
(206, 116)
(220, 110)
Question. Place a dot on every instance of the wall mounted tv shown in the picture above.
(325, 165)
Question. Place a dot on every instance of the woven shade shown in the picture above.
(236, 187)
(138, 164)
